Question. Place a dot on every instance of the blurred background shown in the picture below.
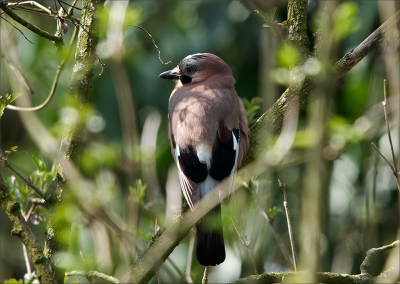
(131, 181)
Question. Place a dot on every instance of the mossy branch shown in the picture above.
(24, 232)
(322, 277)
(85, 58)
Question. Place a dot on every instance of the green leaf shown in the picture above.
(41, 166)
(267, 15)
(138, 191)
(6, 100)
(13, 281)
(274, 210)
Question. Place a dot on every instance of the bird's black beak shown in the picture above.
(170, 75)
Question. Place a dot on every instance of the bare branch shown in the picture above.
(347, 62)
(285, 204)
(93, 275)
(246, 244)
(16, 29)
(56, 39)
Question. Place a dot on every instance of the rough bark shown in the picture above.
(85, 59)
(22, 230)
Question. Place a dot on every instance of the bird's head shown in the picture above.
(198, 67)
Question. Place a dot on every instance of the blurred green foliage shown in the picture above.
(112, 212)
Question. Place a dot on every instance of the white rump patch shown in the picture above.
(204, 154)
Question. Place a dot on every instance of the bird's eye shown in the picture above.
(190, 70)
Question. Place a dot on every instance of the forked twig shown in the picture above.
(274, 231)
(246, 244)
(394, 168)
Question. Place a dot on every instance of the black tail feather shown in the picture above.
(210, 248)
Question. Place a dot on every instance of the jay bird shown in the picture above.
(209, 135)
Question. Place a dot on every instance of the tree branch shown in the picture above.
(322, 277)
(347, 62)
(85, 58)
(27, 181)
(24, 232)
(56, 39)
(272, 119)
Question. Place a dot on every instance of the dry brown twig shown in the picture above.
(285, 204)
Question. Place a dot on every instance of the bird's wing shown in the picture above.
(190, 188)
(225, 155)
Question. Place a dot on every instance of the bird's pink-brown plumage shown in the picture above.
(209, 137)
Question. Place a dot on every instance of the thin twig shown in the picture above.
(285, 204)
(26, 256)
(33, 3)
(205, 276)
(246, 244)
(27, 181)
(68, 15)
(72, 6)
(16, 28)
(274, 231)
(380, 153)
(158, 272)
(55, 81)
(154, 42)
(176, 268)
(396, 170)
